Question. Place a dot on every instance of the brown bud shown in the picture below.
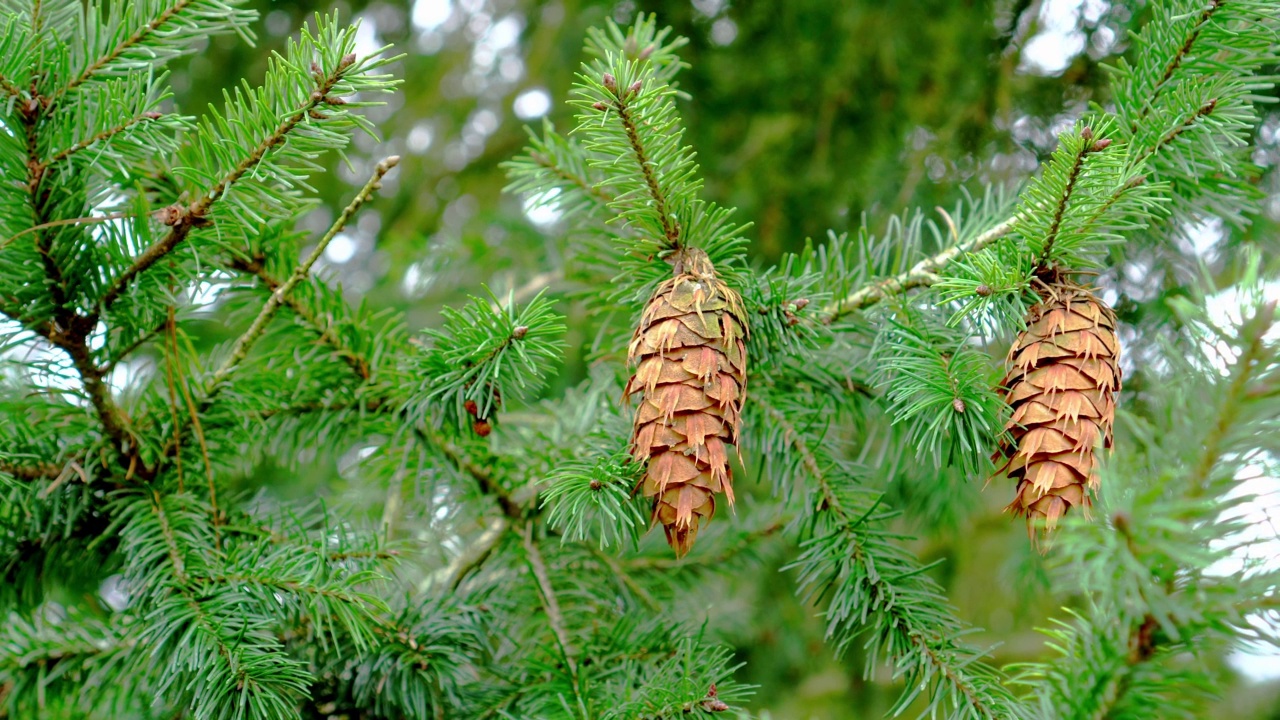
(172, 214)
(347, 61)
(958, 405)
(152, 115)
(635, 88)
(1101, 145)
(317, 115)
(519, 332)
(334, 100)
(792, 320)
(983, 290)
(1087, 134)
(801, 304)
(600, 106)
(610, 83)
(596, 484)
(713, 703)
(316, 96)
(470, 407)
(315, 68)
(482, 428)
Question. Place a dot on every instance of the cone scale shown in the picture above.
(1063, 377)
(690, 360)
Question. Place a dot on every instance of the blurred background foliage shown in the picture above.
(809, 116)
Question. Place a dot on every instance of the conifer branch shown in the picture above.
(355, 360)
(1175, 62)
(193, 216)
(1236, 394)
(1072, 176)
(474, 554)
(98, 137)
(13, 90)
(587, 187)
(670, 227)
(551, 605)
(240, 350)
(137, 38)
(38, 470)
(922, 274)
(1202, 112)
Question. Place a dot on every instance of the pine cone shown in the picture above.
(691, 371)
(1063, 376)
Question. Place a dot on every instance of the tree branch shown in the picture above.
(104, 135)
(240, 350)
(1176, 61)
(922, 274)
(670, 228)
(38, 470)
(591, 189)
(547, 594)
(193, 216)
(137, 37)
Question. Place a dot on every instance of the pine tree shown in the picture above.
(505, 572)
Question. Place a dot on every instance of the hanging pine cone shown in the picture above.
(1063, 376)
(691, 371)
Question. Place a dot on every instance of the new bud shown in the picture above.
(983, 290)
(600, 106)
(519, 332)
(1101, 145)
(610, 82)
(635, 88)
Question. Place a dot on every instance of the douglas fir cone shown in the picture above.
(1063, 376)
(691, 371)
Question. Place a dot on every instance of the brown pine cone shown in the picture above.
(691, 370)
(1063, 377)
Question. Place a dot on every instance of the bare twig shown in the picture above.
(243, 343)
(552, 607)
(472, 556)
(922, 274)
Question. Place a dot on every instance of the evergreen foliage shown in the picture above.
(503, 568)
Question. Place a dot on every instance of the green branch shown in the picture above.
(188, 218)
(922, 274)
(670, 228)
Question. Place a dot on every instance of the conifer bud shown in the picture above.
(958, 405)
(600, 106)
(347, 61)
(610, 83)
(635, 88)
(1101, 145)
(645, 53)
(1087, 134)
(470, 407)
(152, 115)
(519, 332)
(801, 304)
(482, 428)
(983, 290)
